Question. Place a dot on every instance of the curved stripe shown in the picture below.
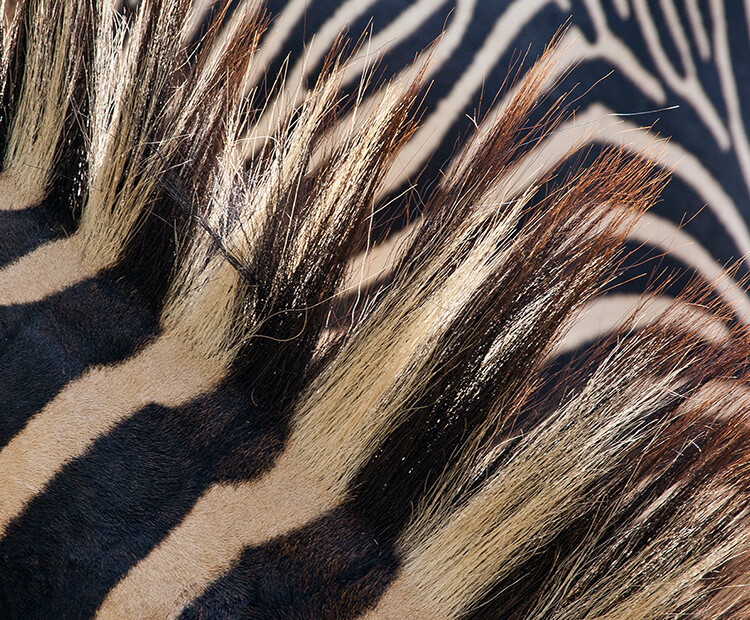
(198, 13)
(599, 123)
(611, 48)
(408, 22)
(323, 39)
(274, 39)
(679, 36)
(11, 198)
(225, 520)
(448, 43)
(603, 315)
(45, 271)
(436, 126)
(450, 40)
(574, 48)
(662, 233)
(165, 372)
(689, 87)
(729, 90)
(295, 91)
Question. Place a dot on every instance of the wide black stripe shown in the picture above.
(46, 344)
(105, 511)
(25, 230)
(333, 568)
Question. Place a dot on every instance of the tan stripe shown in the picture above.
(436, 125)
(12, 198)
(398, 603)
(225, 520)
(275, 39)
(600, 123)
(47, 270)
(165, 373)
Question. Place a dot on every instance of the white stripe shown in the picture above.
(603, 315)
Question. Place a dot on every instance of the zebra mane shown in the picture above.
(227, 214)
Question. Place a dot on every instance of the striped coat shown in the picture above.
(227, 392)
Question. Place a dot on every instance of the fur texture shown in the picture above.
(191, 428)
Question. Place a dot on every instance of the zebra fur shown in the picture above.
(188, 429)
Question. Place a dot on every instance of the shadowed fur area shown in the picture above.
(201, 418)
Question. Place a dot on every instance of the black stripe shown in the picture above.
(333, 568)
(25, 230)
(106, 510)
(46, 344)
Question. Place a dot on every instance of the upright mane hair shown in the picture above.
(195, 424)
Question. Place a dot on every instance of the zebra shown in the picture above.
(226, 394)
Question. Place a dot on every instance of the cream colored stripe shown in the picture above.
(324, 37)
(11, 198)
(165, 372)
(623, 9)
(45, 271)
(198, 13)
(574, 48)
(436, 126)
(599, 123)
(275, 39)
(398, 603)
(603, 315)
(674, 23)
(408, 22)
(699, 29)
(224, 521)
(689, 86)
(663, 234)
(616, 52)
(723, 58)
(450, 40)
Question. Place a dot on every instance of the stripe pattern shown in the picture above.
(216, 404)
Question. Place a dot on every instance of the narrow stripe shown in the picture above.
(225, 520)
(324, 38)
(45, 271)
(603, 315)
(700, 36)
(661, 233)
(275, 39)
(602, 124)
(729, 88)
(437, 125)
(689, 86)
(165, 373)
(409, 22)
